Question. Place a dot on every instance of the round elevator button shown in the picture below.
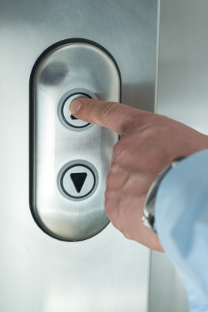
(68, 117)
(77, 180)
(65, 116)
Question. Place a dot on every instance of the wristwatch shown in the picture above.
(148, 218)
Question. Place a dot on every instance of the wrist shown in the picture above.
(148, 218)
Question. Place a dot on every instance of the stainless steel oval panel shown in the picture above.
(62, 68)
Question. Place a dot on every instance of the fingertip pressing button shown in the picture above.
(65, 116)
(68, 117)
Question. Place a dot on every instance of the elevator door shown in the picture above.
(182, 94)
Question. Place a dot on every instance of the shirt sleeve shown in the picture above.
(181, 220)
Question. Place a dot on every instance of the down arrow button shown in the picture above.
(78, 180)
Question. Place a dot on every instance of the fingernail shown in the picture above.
(74, 107)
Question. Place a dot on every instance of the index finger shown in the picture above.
(112, 115)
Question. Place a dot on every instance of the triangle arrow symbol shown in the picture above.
(78, 180)
(72, 117)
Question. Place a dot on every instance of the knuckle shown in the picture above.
(115, 170)
(121, 152)
(119, 148)
(111, 206)
(159, 121)
(90, 108)
(107, 111)
(109, 203)
(111, 178)
(154, 129)
(126, 235)
(152, 118)
(112, 210)
(148, 132)
(116, 149)
(117, 224)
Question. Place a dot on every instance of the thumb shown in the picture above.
(112, 115)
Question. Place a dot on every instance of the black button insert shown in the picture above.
(78, 180)
(72, 117)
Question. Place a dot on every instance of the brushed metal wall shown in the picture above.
(107, 272)
(38, 272)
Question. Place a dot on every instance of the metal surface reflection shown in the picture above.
(106, 273)
(68, 217)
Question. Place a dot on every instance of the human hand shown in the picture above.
(149, 143)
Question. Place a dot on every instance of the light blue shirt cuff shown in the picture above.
(181, 219)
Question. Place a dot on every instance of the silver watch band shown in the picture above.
(149, 205)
